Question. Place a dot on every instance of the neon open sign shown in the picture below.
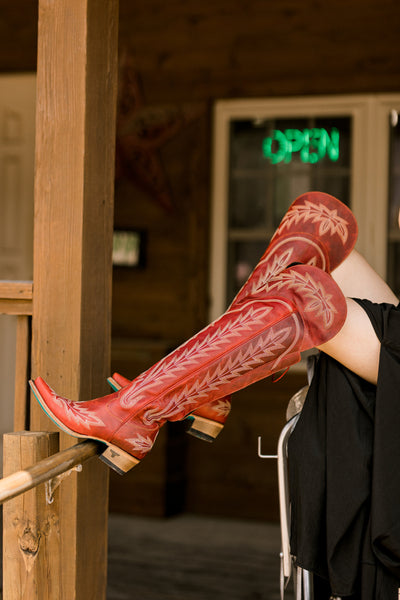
(312, 145)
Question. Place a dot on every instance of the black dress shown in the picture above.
(344, 472)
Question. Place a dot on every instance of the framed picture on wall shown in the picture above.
(129, 248)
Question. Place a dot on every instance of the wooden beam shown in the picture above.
(15, 307)
(74, 182)
(16, 297)
(16, 290)
(31, 526)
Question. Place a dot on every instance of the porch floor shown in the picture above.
(192, 558)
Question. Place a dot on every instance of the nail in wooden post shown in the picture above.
(31, 538)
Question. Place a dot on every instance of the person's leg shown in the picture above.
(317, 230)
(262, 334)
(356, 345)
(357, 279)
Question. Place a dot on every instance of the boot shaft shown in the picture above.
(300, 308)
(317, 229)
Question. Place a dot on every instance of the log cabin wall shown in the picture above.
(177, 58)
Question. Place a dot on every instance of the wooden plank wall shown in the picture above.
(191, 53)
(259, 47)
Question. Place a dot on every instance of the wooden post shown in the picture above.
(31, 526)
(74, 183)
(21, 416)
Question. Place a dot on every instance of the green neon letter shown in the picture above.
(305, 155)
(295, 138)
(332, 144)
(280, 154)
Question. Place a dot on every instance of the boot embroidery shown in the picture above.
(257, 353)
(280, 262)
(78, 414)
(276, 265)
(191, 353)
(141, 443)
(318, 300)
(222, 408)
(330, 222)
(289, 256)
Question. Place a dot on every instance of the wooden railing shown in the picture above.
(33, 511)
(47, 470)
(33, 468)
(16, 299)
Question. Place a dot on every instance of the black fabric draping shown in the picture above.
(344, 473)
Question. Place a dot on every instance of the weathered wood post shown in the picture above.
(31, 536)
(74, 183)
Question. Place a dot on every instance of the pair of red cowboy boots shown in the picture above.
(289, 304)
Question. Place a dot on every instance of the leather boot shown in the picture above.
(318, 230)
(204, 423)
(261, 334)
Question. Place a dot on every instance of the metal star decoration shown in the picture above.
(142, 131)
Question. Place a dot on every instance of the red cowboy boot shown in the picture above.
(205, 423)
(298, 309)
(317, 229)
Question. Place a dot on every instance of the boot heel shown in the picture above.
(202, 428)
(114, 385)
(118, 459)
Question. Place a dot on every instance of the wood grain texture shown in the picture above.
(74, 181)
(263, 47)
(31, 538)
(16, 290)
(48, 468)
(22, 361)
(15, 307)
(258, 47)
(16, 297)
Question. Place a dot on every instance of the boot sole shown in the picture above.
(116, 458)
(202, 428)
(199, 427)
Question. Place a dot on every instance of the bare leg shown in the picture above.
(357, 279)
(356, 345)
